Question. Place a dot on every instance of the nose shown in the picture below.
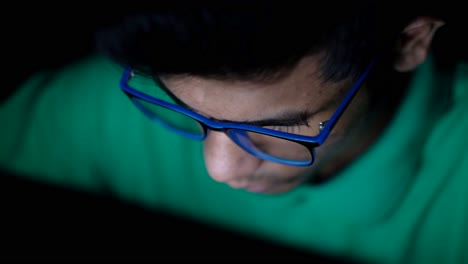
(226, 161)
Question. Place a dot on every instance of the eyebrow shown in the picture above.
(289, 118)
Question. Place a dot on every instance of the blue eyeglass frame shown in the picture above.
(310, 142)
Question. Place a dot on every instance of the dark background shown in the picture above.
(42, 222)
(51, 34)
(55, 223)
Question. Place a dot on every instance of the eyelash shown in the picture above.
(289, 129)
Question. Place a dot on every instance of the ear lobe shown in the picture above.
(415, 42)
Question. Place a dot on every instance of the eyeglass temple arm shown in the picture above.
(328, 125)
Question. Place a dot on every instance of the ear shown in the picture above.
(414, 43)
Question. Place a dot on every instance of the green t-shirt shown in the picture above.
(404, 201)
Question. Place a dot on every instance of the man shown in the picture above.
(336, 134)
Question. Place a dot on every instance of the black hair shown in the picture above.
(248, 39)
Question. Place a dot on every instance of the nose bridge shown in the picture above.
(225, 160)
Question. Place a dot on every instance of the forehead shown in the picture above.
(238, 100)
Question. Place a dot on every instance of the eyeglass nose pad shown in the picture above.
(240, 137)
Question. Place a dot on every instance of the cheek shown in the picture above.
(332, 147)
(286, 174)
(287, 178)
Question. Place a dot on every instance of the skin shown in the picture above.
(301, 90)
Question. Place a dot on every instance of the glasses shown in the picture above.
(294, 149)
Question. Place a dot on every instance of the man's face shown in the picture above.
(301, 91)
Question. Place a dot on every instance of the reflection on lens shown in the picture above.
(265, 145)
(170, 119)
